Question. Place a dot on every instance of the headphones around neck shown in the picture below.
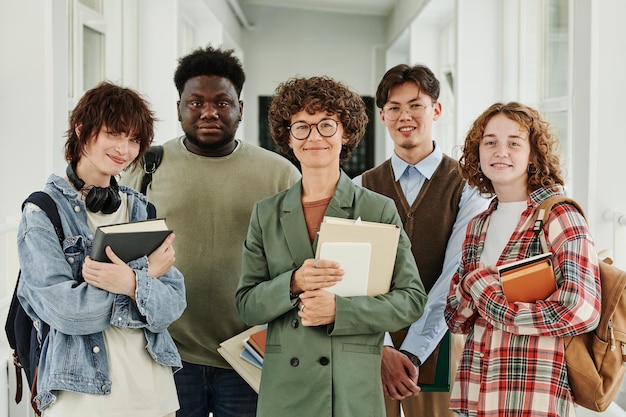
(107, 200)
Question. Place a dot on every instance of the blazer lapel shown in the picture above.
(294, 226)
(342, 203)
(292, 217)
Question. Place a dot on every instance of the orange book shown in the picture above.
(528, 280)
(257, 341)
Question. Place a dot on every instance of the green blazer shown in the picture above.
(331, 370)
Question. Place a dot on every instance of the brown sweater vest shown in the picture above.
(429, 221)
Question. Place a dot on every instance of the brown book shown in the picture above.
(528, 280)
(257, 341)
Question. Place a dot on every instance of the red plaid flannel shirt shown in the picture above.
(513, 362)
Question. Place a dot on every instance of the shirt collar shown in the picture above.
(426, 166)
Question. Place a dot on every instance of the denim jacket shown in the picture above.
(51, 289)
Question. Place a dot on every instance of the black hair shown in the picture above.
(210, 61)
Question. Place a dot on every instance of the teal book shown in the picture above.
(437, 371)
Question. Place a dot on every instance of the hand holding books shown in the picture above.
(365, 250)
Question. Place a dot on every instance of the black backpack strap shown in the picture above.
(47, 204)
(151, 209)
(150, 162)
(16, 315)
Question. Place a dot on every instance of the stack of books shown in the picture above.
(232, 350)
(528, 280)
(254, 347)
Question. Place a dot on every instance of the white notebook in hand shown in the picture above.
(354, 259)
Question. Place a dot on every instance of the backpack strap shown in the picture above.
(543, 212)
(47, 204)
(150, 162)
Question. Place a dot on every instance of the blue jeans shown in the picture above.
(203, 389)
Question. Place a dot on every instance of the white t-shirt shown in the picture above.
(502, 223)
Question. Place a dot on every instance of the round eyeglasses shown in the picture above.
(394, 112)
(325, 127)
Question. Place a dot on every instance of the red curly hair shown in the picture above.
(544, 147)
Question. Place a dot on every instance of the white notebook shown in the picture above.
(354, 259)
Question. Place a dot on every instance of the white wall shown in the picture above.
(31, 82)
(30, 85)
(478, 60)
(598, 143)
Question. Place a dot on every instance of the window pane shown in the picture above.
(93, 4)
(93, 57)
(558, 124)
(556, 52)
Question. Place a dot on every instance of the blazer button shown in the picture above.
(294, 362)
(324, 361)
(295, 324)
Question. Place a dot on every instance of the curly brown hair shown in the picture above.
(120, 109)
(544, 169)
(313, 95)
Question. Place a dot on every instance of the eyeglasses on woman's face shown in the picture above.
(325, 127)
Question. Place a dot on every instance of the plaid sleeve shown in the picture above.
(574, 308)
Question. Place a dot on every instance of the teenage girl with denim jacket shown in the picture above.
(108, 352)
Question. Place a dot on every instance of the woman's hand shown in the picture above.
(162, 259)
(317, 308)
(115, 277)
(315, 274)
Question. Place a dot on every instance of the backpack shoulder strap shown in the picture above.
(150, 162)
(543, 210)
(47, 204)
(151, 209)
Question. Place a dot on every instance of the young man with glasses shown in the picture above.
(435, 205)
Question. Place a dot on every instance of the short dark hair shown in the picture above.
(312, 95)
(544, 147)
(120, 109)
(421, 75)
(210, 61)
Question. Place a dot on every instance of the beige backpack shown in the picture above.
(596, 361)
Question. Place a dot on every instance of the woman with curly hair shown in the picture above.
(513, 363)
(323, 351)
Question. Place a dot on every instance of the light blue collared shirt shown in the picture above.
(425, 334)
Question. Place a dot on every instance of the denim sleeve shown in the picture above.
(49, 285)
(160, 301)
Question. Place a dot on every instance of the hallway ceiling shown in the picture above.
(365, 7)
